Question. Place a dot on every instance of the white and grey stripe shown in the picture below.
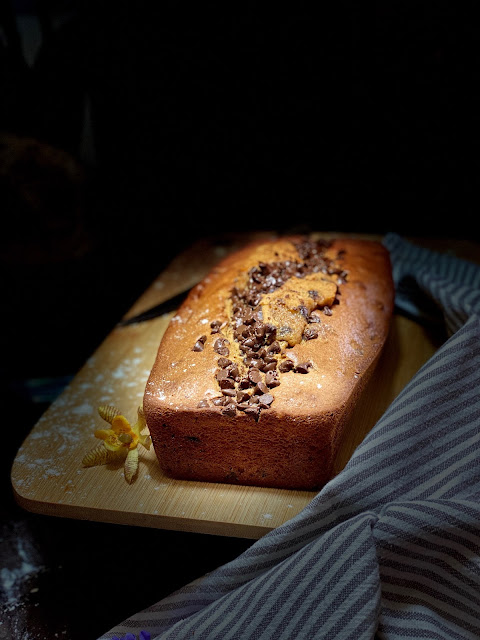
(423, 276)
(390, 548)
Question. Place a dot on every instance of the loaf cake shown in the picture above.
(259, 369)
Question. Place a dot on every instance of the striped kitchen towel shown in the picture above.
(390, 548)
(433, 286)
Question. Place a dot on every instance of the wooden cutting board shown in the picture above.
(47, 474)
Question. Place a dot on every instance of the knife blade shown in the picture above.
(171, 304)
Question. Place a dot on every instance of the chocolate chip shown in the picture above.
(256, 363)
(310, 333)
(271, 379)
(215, 326)
(242, 331)
(303, 367)
(229, 410)
(270, 334)
(199, 344)
(249, 317)
(286, 365)
(220, 346)
(229, 391)
(265, 400)
(242, 396)
(274, 347)
(304, 311)
(202, 404)
(260, 331)
(260, 388)
(252, 411)
(327, 311)
(249, 343)
(218, 401)
(271, 366)
(224, 379)
(264, 367)
(224, 362)
(247, 350)
(254, 375)
(232, 370)
(222, 374)
(228, 383)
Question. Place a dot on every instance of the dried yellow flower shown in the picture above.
(120, 442)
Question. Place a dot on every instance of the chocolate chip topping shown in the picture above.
(260, 388)
(253, 411)
(254, 375)
(271, 379)
(199, 344)
(286, 365)
(303, 367)
(221, 375)
(215, 326)
(271, 366)
(229, 391)
(220, 346)
(310, 333)
(274, 347)
(224, 381)
(265, 400)
(233, 371)
(230, 409)
(242, 396)
(262, 353)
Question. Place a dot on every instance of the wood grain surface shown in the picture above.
(47, 474)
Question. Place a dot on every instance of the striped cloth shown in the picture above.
(390, 548)
(433, 287)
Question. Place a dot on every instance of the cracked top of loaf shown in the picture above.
(281, 327)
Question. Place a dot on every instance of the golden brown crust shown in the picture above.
(292, 443)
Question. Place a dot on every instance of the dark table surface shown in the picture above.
(76, 579)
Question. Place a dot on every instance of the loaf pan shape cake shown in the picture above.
(260, 368)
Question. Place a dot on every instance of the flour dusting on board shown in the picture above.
(83, 409)
(68, 423)
(23, 565)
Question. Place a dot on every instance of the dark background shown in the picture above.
(128, 130)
